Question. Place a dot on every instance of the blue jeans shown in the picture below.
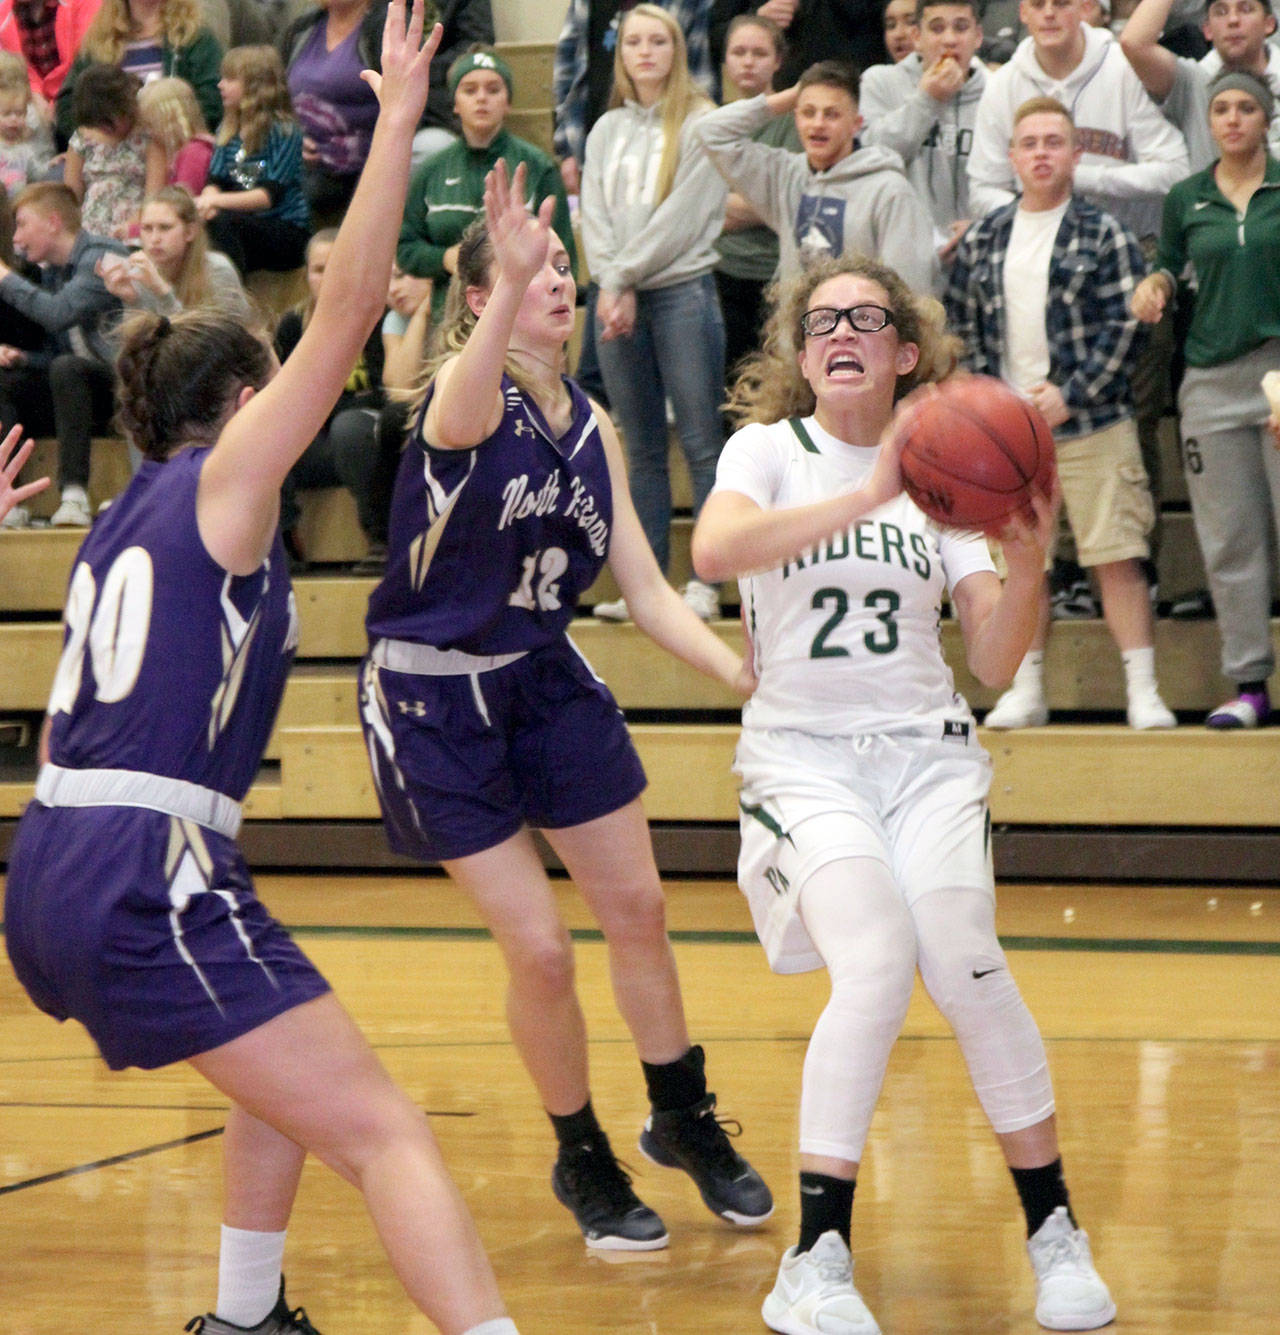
(676, 352)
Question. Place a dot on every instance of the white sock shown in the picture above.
(249, 1268)
(500, 1325)
(71, 492)
(1029, 678)
(1139, 671)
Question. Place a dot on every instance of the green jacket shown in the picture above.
(447, 193)
(199, 63)
(1236, 260)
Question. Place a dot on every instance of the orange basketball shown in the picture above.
(973, 453)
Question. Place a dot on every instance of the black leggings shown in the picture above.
(251, 241)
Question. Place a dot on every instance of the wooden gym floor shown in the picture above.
(1161, 1011)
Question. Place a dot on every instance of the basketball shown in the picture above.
(973, 452)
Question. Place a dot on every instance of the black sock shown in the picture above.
(1041, 1191)
(575, 1129)
(826, 1203)
(677, 1084)
(1252, 687)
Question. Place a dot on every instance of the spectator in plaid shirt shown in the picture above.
(1039, 293)
(47, 34)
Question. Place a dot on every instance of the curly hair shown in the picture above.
(177, 380)
(113, 28)
(770, 386)
(264, 100)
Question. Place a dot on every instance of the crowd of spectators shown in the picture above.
(700, 149)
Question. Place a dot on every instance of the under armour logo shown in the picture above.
(414, 707)
(523, 428)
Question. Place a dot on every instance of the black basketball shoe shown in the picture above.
(696, 1140)
(590, 1182)
(279, 1321)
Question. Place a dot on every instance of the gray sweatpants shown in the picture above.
(1233, 479)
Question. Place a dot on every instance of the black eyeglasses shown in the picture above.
(867, 318)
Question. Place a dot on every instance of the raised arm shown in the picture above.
(754, 170)
(1140, 42)
(239, 498)
(467, 404)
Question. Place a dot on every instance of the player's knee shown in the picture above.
(878, 969)
(964, 982)
(637, 918)
(544, 966)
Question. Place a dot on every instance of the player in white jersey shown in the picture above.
(865, 830)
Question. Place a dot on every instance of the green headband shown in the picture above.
(479, 60)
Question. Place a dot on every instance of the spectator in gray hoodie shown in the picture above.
(923, 108)
(651, 208)
(833, 199)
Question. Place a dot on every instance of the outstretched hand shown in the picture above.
(12, 457)
(401, 87)
(520, 239)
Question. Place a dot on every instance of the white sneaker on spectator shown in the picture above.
(704, 599)
(1070, 1294)
(1017, 708)
(614, 611)
(18, 517)
(72, 513)
(1148, 711)
(814, 1293)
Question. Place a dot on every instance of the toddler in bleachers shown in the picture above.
(254, 203)
(113, 163)
(25, 143)
(173, 117)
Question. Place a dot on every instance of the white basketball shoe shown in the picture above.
(1070, 1294)
(814, 1293)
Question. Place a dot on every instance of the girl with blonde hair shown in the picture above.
(173, 117)
(254, 202)
(652, 208)
(151, 39)
(174, 270)
(510, 498)
(865, 826)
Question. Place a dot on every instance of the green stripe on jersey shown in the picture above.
(802, 435)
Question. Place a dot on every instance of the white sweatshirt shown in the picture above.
(630, 241)
(1132, 154)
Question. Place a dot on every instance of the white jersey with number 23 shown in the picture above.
(846, 636)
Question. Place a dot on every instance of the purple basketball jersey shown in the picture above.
(170, 665)
(491, 547)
